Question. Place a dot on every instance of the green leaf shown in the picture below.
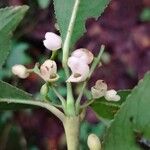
(107, 109)
(43, 3)
(9, 19)
(86, 8)
(4, 47)
(131, 126)
(9, 91)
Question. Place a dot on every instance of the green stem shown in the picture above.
(36, 103)
(66, 46)
(72, 129)
(63, 101)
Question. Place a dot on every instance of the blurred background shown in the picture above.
(125, 30)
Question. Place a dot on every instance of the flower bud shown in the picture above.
(84, 55)
(44, 90)
(80, 70)
(48, 70)
(111, 95)
(52, 41)
(94, 142)
(20, 70)
(99, 90)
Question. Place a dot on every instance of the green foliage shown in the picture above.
(43, 3)
(9, 91)
(107, 109)
(19, 52)
(86, 9)
(145, 15)
(9, 19)
(131, 124)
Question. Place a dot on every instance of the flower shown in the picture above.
(80, 70)
(99, 89)
(83, 54)
(52, 41)
(48, 70)
(78, 63)
(20, 70)
(93, 142)
(111, 95)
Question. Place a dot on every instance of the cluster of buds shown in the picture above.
(79, 62)
(48, 70)
(100, 89)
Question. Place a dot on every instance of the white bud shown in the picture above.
(94, 142)
(111, 95)
(99, 90)
(48, 70)
(80, 70)
(20, 71)
(52, 41)
(84, 54)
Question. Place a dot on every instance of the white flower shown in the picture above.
(48, 70)
(80, 70)
(93, 142)
(99, 89)
(111, 95)
(20, 70)
(83, 54)
(52, 41)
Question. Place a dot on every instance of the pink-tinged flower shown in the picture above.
(80, 70)
(84, 55)
(52, 41)
(20, 71)
(48, 70)
(111, 95)
(99, 89)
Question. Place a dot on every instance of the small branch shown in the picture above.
(96, 60)
(87, 104)
(44, 105)
(63, 101)
(80, 96)
(66, 45)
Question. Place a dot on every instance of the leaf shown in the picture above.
(9, 19)
(86, 8)
(131, 126)
(44, 3)
(9, 91)
(107, 109)
(4, 47)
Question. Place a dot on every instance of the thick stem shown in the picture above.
(72, 131)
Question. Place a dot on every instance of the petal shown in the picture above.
(78, 66)
(52, 41)
(83, 54)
